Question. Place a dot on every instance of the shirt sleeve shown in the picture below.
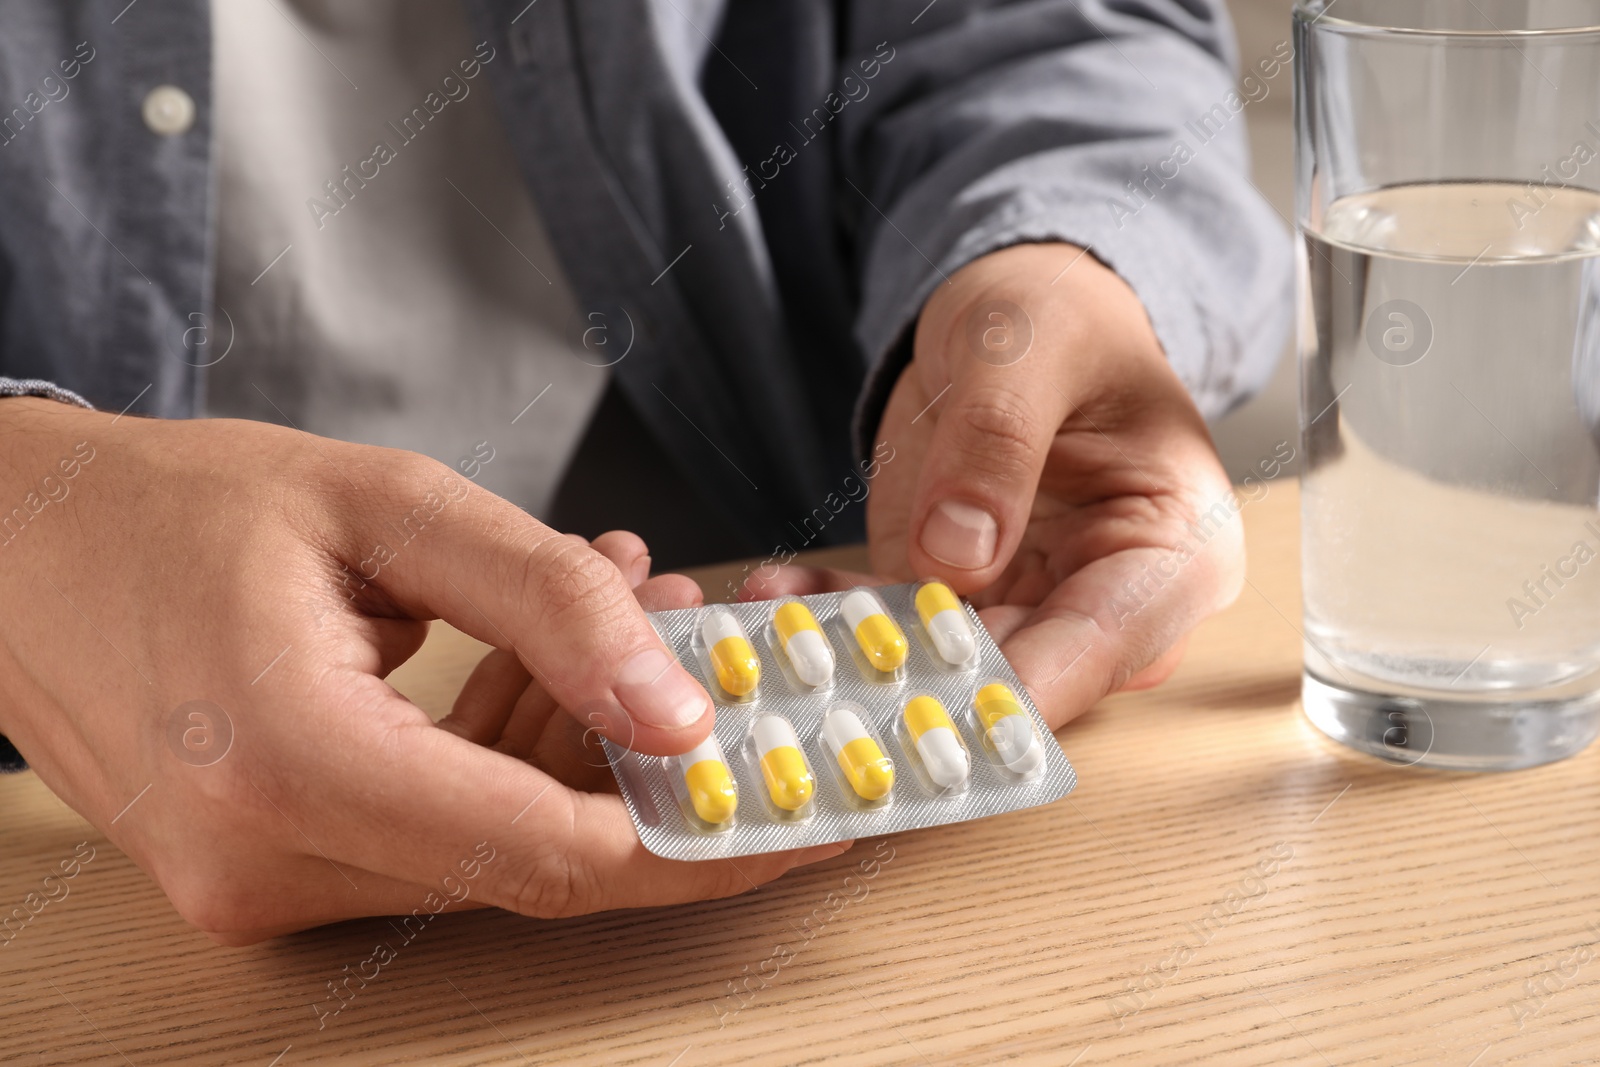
(1113, 125)
(40, 387)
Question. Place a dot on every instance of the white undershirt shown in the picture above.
(418, 314)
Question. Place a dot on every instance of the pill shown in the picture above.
(869, 772)
(880, 639)
(711, 790)
(783, 765)
(935, 737)
(732, 659)
(804, 643)
(946, 623)
(1008, 728)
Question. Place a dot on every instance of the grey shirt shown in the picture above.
(427, 310)
(889, 142)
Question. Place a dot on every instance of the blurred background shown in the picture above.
(1254, 430)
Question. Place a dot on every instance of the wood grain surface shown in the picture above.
(1225, 886)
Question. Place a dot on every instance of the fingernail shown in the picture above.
(658, 692)
(641, 570)
(819, 853)
(960, 535)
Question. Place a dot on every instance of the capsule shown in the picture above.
(712, 793)
(869, 772)
(880, 639)
(733, 661)
(804, 643)
(934, 735)
(946, 623)
(783, 765)
(1008, 728)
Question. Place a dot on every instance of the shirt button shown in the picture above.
(168, 110)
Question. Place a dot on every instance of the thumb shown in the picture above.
(981, 470)
(565, 610)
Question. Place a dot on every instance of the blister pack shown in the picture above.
(840, 716)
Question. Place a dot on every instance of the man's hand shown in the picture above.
(504, 707)
(1050, 466)
(278, 578)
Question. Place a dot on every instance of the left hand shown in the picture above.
(1051, 467)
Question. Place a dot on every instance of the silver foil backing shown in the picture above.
(657, 800)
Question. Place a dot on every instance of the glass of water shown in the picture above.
(1448, 162)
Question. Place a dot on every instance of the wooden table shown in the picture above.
(1225, 886)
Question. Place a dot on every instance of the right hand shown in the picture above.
(281, 577)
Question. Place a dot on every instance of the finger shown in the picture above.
(627, 551)
(564, 609)
(486, 701)
(529, 720)
(496, 686)
(667, 592)
(533, 736)
(396, 640)
(380, 644)
(976, 489)
(564, 747)
(573, 756)
(1115, 618)
(1159, 670)
(569, 751)
(500, 706)
(420, 800)
(903, 437)
(613, 870)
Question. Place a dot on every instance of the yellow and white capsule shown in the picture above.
(804, 643)
(947, 625)
(733, 661)
(869, 772)
(934, 735)
(880, 638)
(712, 793)
(1008, 728)
(783, 765)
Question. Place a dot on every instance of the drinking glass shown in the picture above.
(1447, 162)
